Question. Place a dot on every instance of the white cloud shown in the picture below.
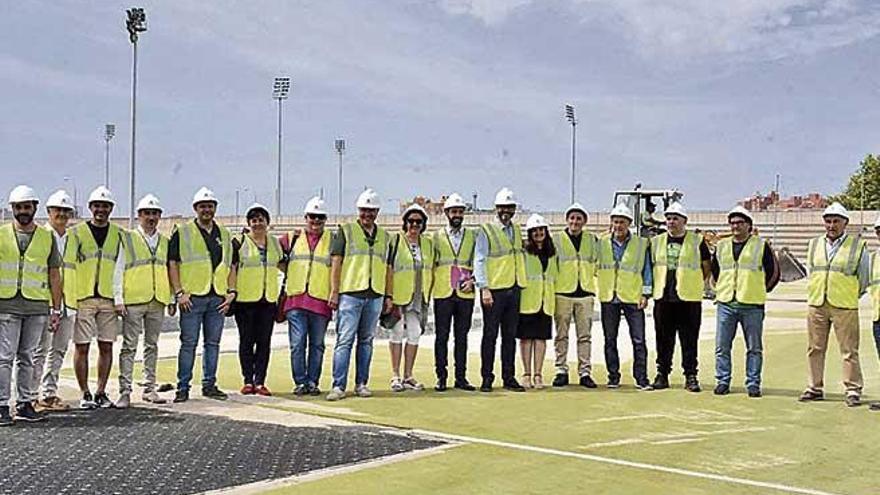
(489, 11)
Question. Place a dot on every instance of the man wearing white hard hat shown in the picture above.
(412, 259)
(745, 270)
(30, 284)
(49, 356)
(199, 271)
(453, 293)
(499, 272)
(875, 298)
(90, 259)
(839, 273)
(575, 293)
(308, 289)
(142, 294)
(625, 282)
(682, 263)
(258, 264)
(360, 290)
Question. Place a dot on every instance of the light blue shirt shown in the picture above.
(481, 253)
(647, 271)
(864, 270)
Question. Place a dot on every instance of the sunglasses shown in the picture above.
(414, 221)
(319, 218)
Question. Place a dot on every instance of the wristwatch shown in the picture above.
(55, 312)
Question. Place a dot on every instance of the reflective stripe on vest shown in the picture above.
(505, 266)
(26, 272)
(197, 276)
(623, 278)
(309, 271)
(146, 273)
(404, 270)
(445, 258)
(836, 281)
(540, 292)
(741, 280)
(257, 279)
(688, 274)
(68, 270)
(576, 266)
(364, 265)
(94, 266)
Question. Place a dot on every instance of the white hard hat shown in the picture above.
(314, 206)
(60, 199)
(415, 207)
(368, 199)
(576, 207)
(835, 209)
(741, 212)
(204, 194)
(257, 206)
(149, 202)
(676, 209)
(535, 221)
(621, 210)
(505, 197)
(23, 194)
(102, 194)
(454, 200)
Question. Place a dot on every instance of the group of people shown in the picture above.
(59, 283)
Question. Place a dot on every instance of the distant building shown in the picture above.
(760, 202)
(433, 207)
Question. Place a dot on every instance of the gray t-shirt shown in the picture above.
(18, 305)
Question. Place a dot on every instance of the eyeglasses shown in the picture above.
(414, 221)
(319, 218)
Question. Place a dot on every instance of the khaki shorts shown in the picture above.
(95, 317)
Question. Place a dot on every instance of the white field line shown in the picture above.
(682, 440)
(265, 485)
(620, 462)
(672, 437)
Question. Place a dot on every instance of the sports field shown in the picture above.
(575, 440)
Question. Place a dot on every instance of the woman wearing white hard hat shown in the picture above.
(306, 307)
(537, 301)
(257, 264)
(412, 257)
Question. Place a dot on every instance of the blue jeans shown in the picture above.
(635, 320)
(203, 315)
(752, 321)
(877, 336)
(356, 317)
(306, 331)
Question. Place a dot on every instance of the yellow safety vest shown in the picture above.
(445, 259)
(68, 270)
(576, 266)
(197, 275)
(837, 281)
(256, 279)
(146, 273)
(540, 293)
(623, 278)
(875, 287)
(93, 266)
(364, 266)
(27, 272)
(741, 280)
(404, 270)
(309, 271)
(688, 275)
(505, 266)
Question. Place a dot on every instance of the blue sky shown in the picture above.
(434, 96)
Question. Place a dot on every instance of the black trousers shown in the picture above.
(503, 316)
(255, 324)
(456, 313)
(682, 318)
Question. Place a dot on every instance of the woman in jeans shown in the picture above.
(412, 256)
(257, 261)
(537, 300)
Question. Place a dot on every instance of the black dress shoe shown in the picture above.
(213, 392)
(721, 389)
(441, 386)
(465, 386)
(560, 380)
(587, 382)
(691, 384)
(514, 386)
(755, 392)
(661, 381)
(181, 396)
(486, 386)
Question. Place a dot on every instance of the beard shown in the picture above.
(455, 222)
(24, 218)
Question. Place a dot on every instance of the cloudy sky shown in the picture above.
(433, 96)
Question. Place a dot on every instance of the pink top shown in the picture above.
(305, 301)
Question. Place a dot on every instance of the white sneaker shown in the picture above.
(124, 401)
(396, 384)
(87, 401)
(363, 391)
(411, 384)
(153, 397)
(336, 394)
